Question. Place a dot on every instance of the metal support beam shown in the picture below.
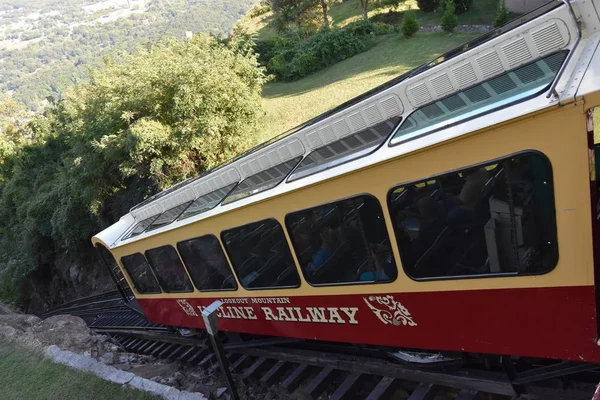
(211, 320)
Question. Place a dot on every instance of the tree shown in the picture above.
(143, 122)
(324, 7)
(410, 25)
(364, 4)
(501, 14)
(449, 19)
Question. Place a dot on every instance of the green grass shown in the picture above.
(288, 104)
(27, 375)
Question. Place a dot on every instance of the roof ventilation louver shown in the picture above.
(490, 64)
(356, 121)
(391, 106)
(465, 75)
(373, 115)
(442, 85)
(517, 52)
(548, 38)
(420, 93)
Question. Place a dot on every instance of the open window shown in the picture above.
(497, 218)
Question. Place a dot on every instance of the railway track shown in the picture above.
(326, 370)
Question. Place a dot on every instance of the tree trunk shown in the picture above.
(325, 16)
(365, 7)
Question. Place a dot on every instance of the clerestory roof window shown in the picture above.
(207, 201)
(495, 93)
(262, 181)
(351, 147)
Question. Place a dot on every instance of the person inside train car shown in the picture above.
(461, 208)
(380, 265)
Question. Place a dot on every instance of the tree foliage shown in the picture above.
(428, 5)
(410, 25)
(502, 15)
(449, 19)
(143, 121)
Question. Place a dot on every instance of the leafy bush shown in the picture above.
(410, 25)
(380, 28)
(428, 5)
(259, 9)
(501, 14)
(294, 57)
(449, 19)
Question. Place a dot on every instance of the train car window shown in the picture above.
(169, 270)
(343, 242)
(260, 255)
(140, 273)
(357, 145)
(492, 219)
(168, 216)
(207, 202)
(262, 181)
(495, 93)
(140, 227)
(207, 264)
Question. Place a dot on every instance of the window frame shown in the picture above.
(135, 287)
(182, 265)
(357, 283)
(386, 139)
(223, 241)
(497, 160)
(222, 247)
(283, 179)
(492, 110)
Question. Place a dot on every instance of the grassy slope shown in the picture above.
(289, 104)
(27, 375)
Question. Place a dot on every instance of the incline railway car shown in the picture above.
(452, 209)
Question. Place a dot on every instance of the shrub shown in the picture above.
(292, 58)
(428, 5)
(501, 14)
(380, 28)
(449, 19)
(259, 9)
(410, 25)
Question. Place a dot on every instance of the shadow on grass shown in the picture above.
(391, 56)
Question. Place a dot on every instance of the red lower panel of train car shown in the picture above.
(534, 322)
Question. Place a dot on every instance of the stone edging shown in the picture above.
(115, 375)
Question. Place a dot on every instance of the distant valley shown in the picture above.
(47, 45)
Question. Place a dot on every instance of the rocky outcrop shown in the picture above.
(65, 331)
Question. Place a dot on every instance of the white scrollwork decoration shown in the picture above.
(187, 308)
(395, 314)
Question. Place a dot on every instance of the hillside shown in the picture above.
(46, 46)
(288, 104)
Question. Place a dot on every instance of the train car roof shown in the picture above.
(552, 28)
